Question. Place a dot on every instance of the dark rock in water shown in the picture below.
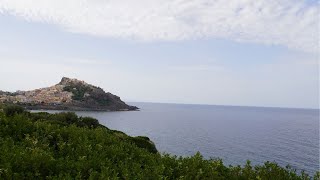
(69, 94)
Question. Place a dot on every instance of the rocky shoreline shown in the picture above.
(72, 108)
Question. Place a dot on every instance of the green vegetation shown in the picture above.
(65, 146)
(11, 110)
(78, 91)
(101, 101)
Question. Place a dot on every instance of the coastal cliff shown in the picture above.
(68, 94)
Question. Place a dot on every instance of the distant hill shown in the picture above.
(68, 94)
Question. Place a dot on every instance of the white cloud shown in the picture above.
(290, 23)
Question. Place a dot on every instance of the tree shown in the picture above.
(11, 110)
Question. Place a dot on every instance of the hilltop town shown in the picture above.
(68, 94)
(53, 95)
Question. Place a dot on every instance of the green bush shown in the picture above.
(11, 110)
(67, 117)
(89, 122)
(144, 142)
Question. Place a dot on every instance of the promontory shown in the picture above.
(68, 94)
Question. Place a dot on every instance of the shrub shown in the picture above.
(11, 110)
(67, 117)
(89, 122)
(144, 142)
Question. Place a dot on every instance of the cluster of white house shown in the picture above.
(51, 95)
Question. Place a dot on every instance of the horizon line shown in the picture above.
(249, 106)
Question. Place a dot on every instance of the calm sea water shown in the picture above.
(235, 134)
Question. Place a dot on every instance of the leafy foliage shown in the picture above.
(64, 119)
(11, 110)
(89, 122)
(65, 146)
(144, 142)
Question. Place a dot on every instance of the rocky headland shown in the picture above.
(68, 94)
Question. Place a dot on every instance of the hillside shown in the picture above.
(68, 94)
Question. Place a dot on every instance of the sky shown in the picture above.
(236, 52)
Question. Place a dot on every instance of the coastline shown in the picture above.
(76, 108)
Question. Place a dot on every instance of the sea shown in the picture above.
(232, 133)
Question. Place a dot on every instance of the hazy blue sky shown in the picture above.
(240, 52)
